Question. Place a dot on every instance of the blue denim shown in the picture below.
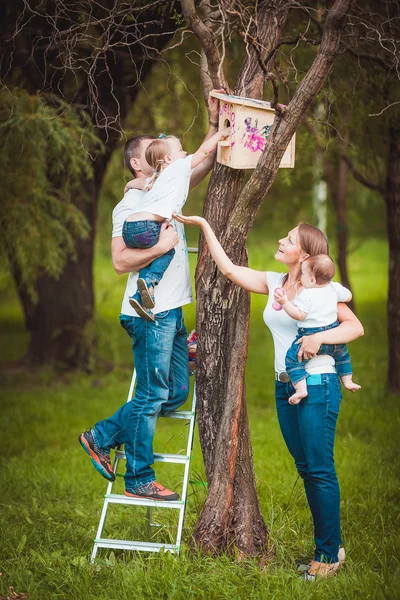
(161, 360)
(145, 234)
(308, 429)
(297, 370)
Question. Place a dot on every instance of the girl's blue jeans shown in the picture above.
(162, 385)
(308, 429)
(297, 370)
(145, 234)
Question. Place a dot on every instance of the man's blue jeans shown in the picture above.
(308, 429)
(297, 370)
(145, 234)
(161, 360)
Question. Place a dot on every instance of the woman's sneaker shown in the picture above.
(101, 461)
(146, 293)
(153, 491)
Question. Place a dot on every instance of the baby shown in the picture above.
(316, 310)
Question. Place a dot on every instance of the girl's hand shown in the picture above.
(133, 184)
(190, 220)
(280, 296)
(310, 345)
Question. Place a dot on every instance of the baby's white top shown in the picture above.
(320, 304)
(284, 330)
(170, 189)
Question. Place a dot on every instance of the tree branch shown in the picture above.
(376, 187)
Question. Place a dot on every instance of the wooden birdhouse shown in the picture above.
(250, 121)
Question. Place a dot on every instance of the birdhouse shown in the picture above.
(250, 121)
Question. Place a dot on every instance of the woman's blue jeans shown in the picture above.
(161, 360)
(308, 429)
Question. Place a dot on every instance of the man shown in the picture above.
(159, 348)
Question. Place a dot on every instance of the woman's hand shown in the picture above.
(310, 344)
(190, 220)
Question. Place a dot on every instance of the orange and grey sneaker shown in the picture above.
(101, 461)
(153, 491)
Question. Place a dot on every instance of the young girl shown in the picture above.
(167, 191)
(315, 309)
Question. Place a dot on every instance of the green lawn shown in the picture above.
(51, 497)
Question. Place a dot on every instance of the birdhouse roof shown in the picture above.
(263, 104)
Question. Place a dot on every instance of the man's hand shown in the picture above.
(213, 106)
(168, 238)
(310, 345)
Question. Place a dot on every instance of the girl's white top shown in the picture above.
(170, 189)
(320, 304)
(284, 330)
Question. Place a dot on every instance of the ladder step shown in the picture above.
(179, 414)
(166, 458)
(127, 545)
(122, 499)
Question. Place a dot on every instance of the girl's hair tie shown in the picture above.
(162, 135)
(160, 161)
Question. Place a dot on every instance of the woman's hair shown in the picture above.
(155, 155)
(312, 241)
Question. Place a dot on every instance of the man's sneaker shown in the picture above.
(143, 312)
(146, 293)
(101, 460)
(154, 491)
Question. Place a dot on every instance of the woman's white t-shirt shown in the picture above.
(284, 330)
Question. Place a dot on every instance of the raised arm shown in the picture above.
(128, 260)
(249, 279)
(350, 329)
(207, 164)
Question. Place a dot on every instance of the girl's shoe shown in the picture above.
(146, 293)
(341, 558)
(144, 313)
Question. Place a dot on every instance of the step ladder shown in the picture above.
(180, 505)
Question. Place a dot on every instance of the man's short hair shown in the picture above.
(132, 149)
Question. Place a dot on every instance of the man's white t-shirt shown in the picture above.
(284, 330)
(320, 304)
(174, 289)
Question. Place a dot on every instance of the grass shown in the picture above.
(51, 497)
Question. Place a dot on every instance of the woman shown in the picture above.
(308, 428)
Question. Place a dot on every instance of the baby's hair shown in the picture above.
(155, 155)
(322, 267)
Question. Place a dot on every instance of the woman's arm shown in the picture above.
(350, 329)
(249, 279)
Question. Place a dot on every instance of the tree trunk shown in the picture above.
(392, 201)
(231, 515)
(337, 181)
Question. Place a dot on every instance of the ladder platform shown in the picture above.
(179, 459)
(179, 414)
(143, 546)
(122, 499)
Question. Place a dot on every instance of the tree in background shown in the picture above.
(92, 56)
(231, 515)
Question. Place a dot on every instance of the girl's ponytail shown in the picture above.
(155, 155)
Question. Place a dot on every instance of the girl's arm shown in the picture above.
(292, 310)
(208, 146)
(249, 279)
(350, 329)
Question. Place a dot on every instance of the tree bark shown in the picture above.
(392, 201)
(231, 515)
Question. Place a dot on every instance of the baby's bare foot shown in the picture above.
(350, 385)
(297, 397)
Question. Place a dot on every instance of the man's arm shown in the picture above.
(207, 164)
(128, 260)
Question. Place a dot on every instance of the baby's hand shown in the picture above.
(225, 132)
(133, 184)
(280, 296)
